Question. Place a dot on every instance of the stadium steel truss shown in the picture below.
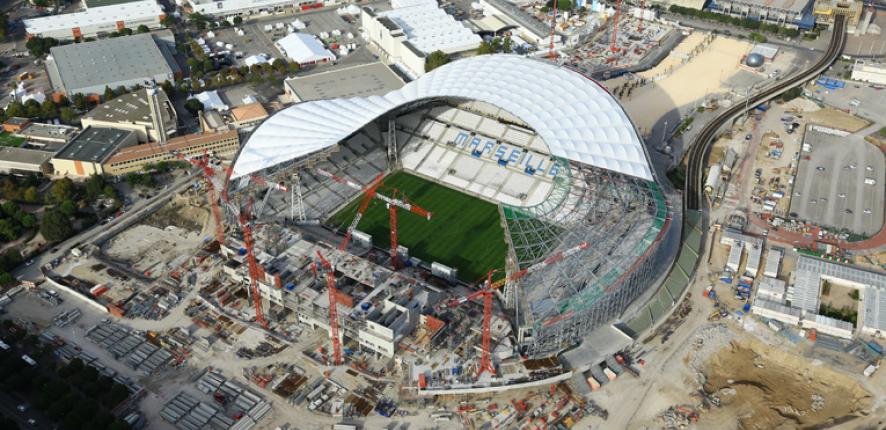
(604, 192)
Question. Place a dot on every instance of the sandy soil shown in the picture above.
(663, 67)
(706, 73)
(764, 387)
(837, 119)
(159, 239)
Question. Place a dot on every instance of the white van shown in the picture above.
(870, 181)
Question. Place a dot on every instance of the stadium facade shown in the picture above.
(553, 148)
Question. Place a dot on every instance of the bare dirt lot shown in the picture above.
(165, 235)
(766, 388)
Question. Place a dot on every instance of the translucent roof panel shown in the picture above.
(577, 118)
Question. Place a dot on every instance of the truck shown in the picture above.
(870, 181)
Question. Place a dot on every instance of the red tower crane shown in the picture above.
(615, 24)
(553, 28)
(333, 309)
(255, 272)
(642, 12)
(393, 204)
(244, 217)
(489, 287)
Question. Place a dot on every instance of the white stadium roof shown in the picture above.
(576, 117)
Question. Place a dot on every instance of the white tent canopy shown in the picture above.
(255, 59)
(210, 100)
(304, 49)
(576, 117)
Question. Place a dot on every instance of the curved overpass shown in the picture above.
(698, 153)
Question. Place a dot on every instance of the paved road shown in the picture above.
(89, 235)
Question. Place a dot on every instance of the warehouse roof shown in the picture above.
(133, 11)
(875, 309)
(430, 28)
(374, 79)
(24, 156)
(576, 117)
(95, 144)
(101, 3)
(180, 143)
(84, 65)
(132, 107)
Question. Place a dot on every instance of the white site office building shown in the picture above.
(100, 18)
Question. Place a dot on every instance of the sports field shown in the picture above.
(7, 139)
(465, 232)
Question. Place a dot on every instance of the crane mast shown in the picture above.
(254, 270)
(615, 24)
(333, 308)
(553, 28)
(489, 288)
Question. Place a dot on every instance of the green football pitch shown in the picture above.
(464, 232)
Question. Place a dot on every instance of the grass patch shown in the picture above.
(465, 232)
(7, 139)
(677, 176)
(842, 315)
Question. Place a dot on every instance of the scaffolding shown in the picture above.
(623, 218)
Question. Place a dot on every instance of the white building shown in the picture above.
(226, 8)
(771, 289)
(776, 310)
(100, 18)
(873, 312)
(828, 326)
(734, 257)
(755, 255)
(407, 35)
(304, 49)
(874, 73)
(773, 262)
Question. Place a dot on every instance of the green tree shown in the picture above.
(9, 229)
(149, 180)
(6, 280)
(29, 220)
(63, 189)
(63, 101)
(193, 106)
(39, 46)
(244, 70)
(436, 59)
(168, 88)
(161, 166)
(10, 208)
(4, 25)
(255, 68)
(293, 66)
(32, 195)
(143, 29)
(195, 65)
(68, 114)
(267, 68)
(121, 91)
(237, 20)
(95, 186)
(225, 23)
(80, 102)
(278, 63)
(485, 48)
(208, 66)
(169, 21)
(133, 179)
(69, 208)
(55, 226)
(125, 31)
(109, 192)
(113, 35)
(49, 109)
(109, 94)
(147, 167)
(15, 109)
(561, 4)
(33, 108)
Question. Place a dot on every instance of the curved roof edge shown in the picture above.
(576, 117)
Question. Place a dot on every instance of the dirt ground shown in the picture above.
(839, 298)
(766, 388)
(837, 119)
(170, 233)
(706, 73)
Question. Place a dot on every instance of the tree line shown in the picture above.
(744, 22)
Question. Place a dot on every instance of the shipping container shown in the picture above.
(593, 383)
(876, 348)
(610, 374)
(421, 380)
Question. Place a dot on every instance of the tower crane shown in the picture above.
(393, 204)
(489, 288)
(615, 24)
(642, 12)
(553, 28)
(244, 217)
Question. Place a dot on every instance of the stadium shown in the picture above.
(517, 158)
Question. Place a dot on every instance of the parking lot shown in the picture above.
(838, 166)
(257, 40)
